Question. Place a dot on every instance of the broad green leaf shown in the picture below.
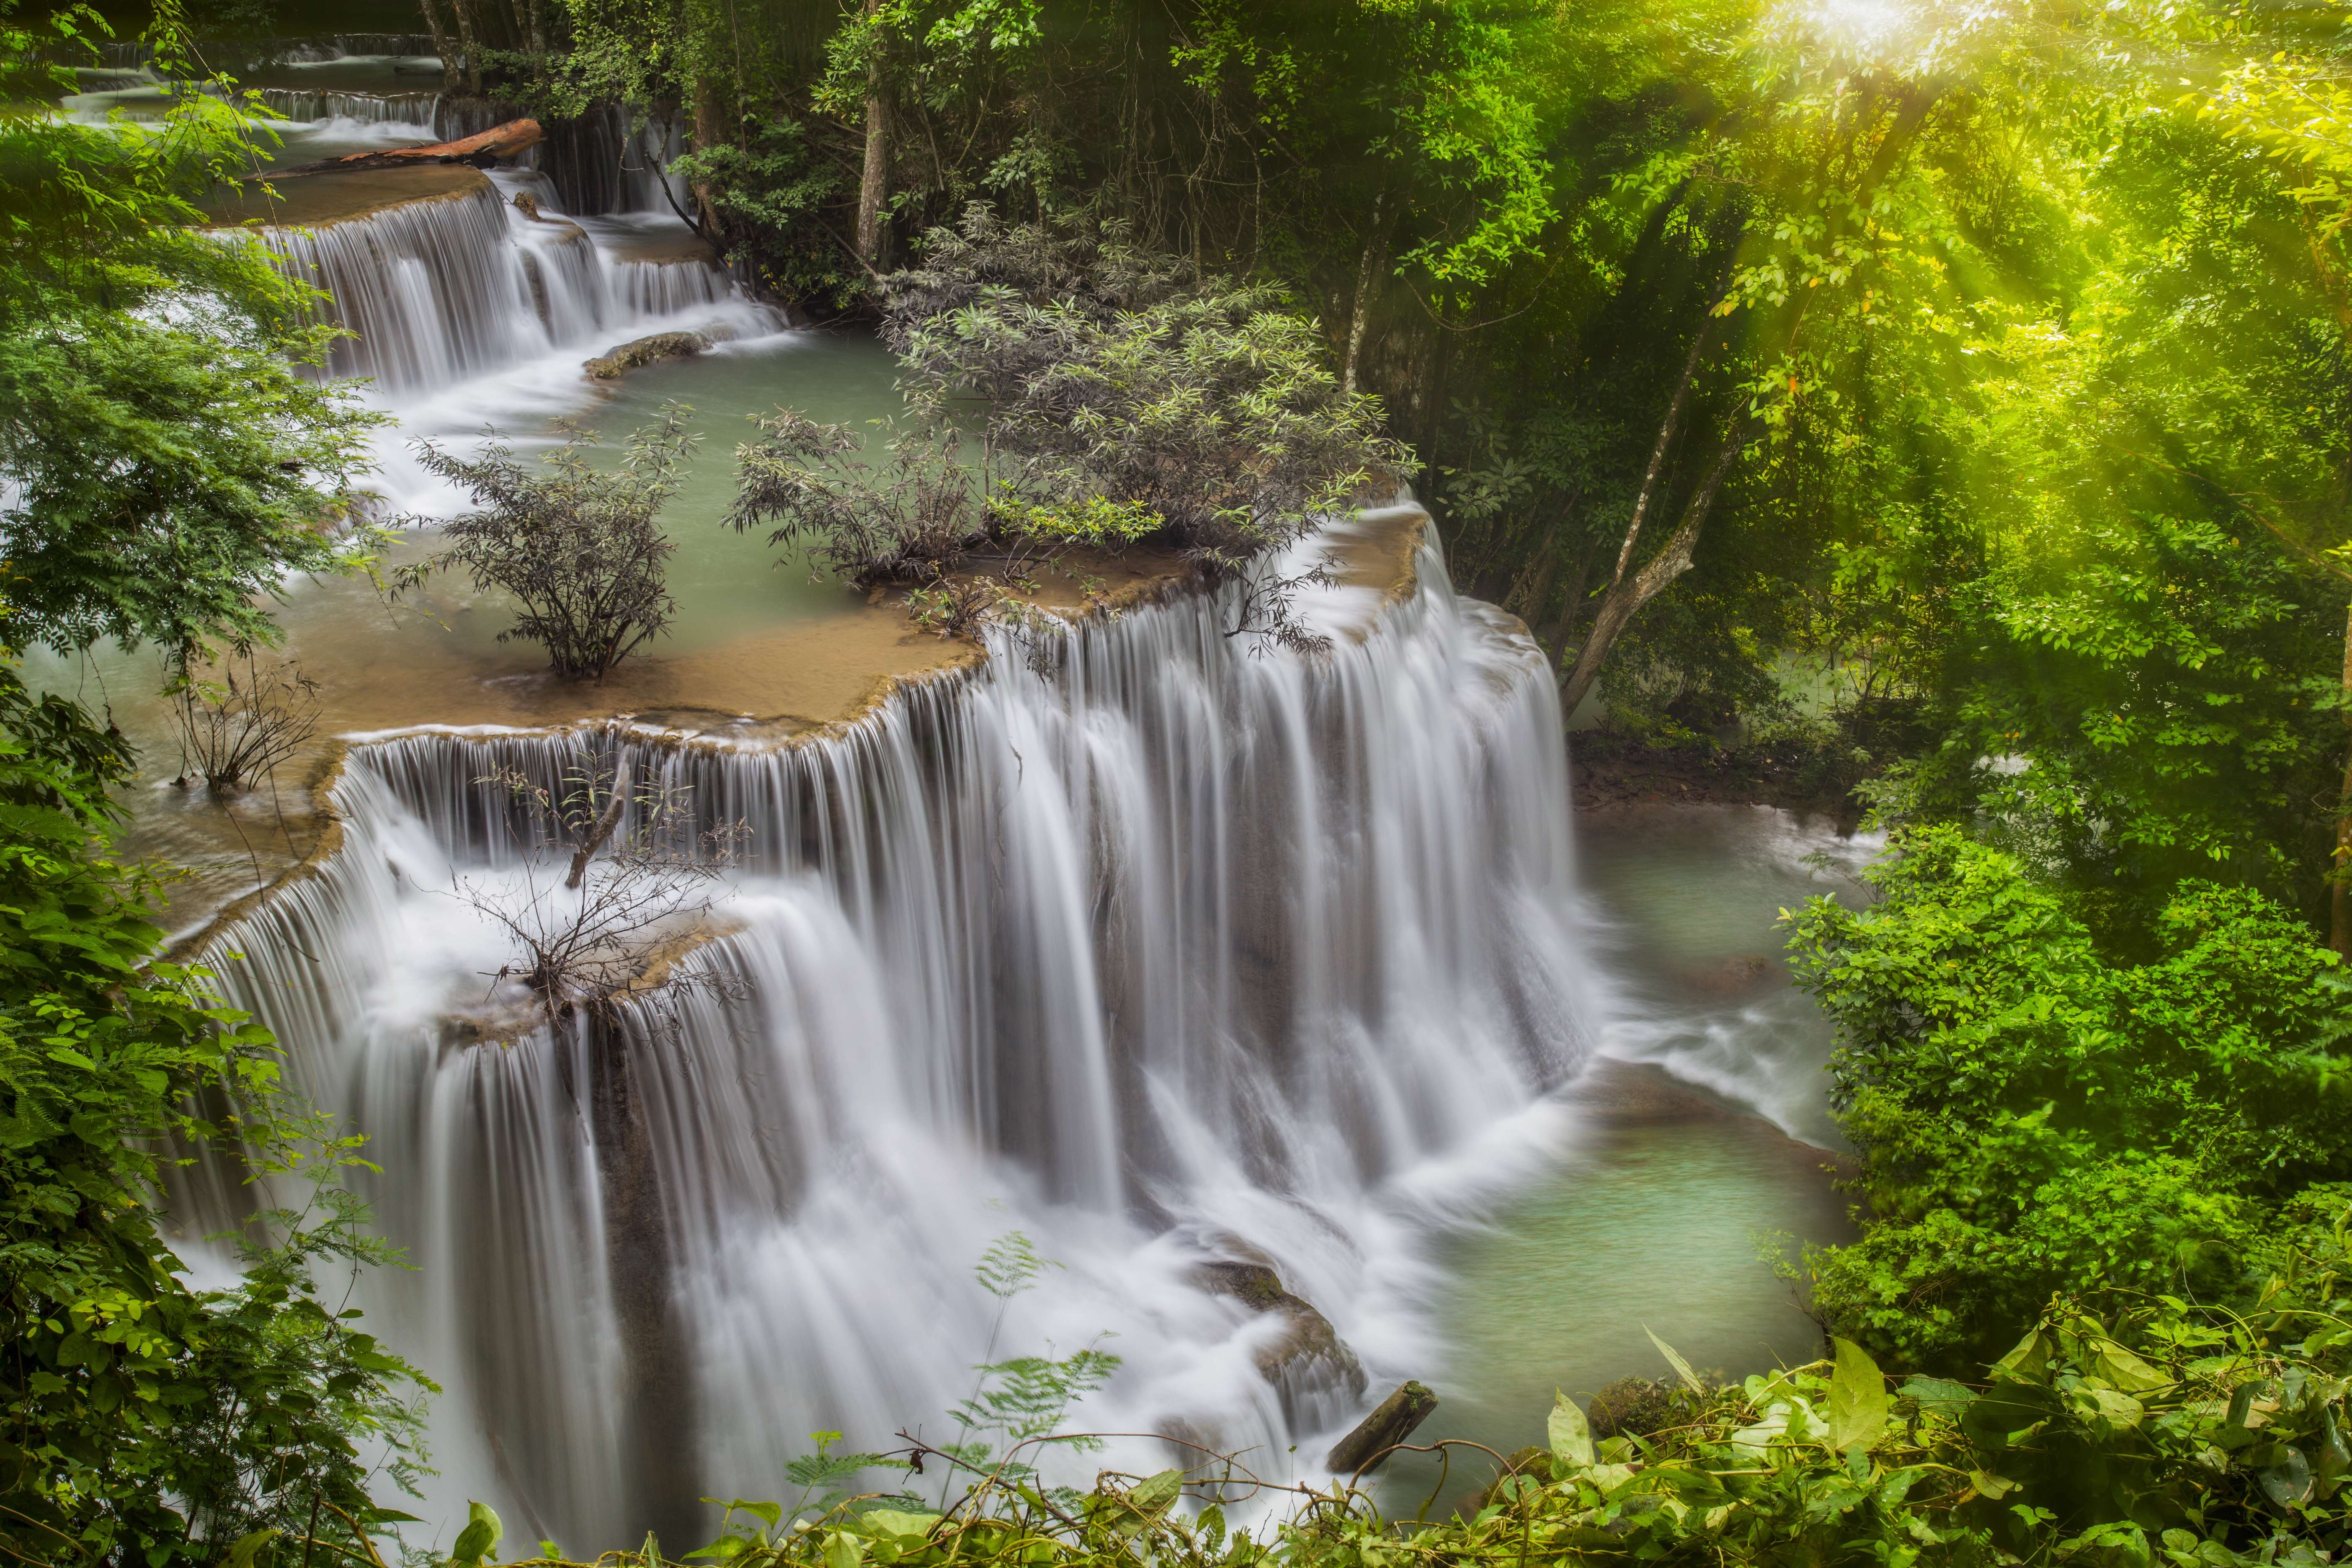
(1570, 1432)
(2287, 1482)
(2120, 1408)
(1937, 1395)
(2026, 1362)
(2127, 1371)
(479, 1538)
(1990, 1485)
(771, 1514)
(1674, 1359)
(844, 1550)
(241, 1554)
(891, 1521)
(1858, 1401)
(1156, 1492)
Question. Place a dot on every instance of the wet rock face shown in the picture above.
(1308, 1365)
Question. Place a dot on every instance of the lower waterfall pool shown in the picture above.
(1696, 1151)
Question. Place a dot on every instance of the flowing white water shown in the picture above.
(304, 106)
(1177, 952)
(442, 292)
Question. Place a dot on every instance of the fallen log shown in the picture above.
(482, 149)
(1367, 1447)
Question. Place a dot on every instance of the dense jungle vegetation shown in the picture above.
(1955, 394)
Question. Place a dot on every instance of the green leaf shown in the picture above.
(771, 1514)
(891, 1521)
(844, 1550)
(1990, 1485)
(2287, 1482)
(478, 1539)
(1674, 1359)
(1156, 1492)
(2024, 1363)
(1858, 1400)
(241, 1554)
(1940, 1395)
(1570, 1432)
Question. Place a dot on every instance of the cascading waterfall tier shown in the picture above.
(445, 290)
(1172, 951)
(433, 291)
(296, 105)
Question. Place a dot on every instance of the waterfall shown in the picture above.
(606, 160)
(347, 45)
(1159, 949)
(449, 289)
(296, 105)
(433, 291)
(665, 288)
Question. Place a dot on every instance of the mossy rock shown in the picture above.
(1631, 1408)
(629, 357)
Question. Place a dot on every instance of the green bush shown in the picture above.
(2034, 1115)
(150, 1421)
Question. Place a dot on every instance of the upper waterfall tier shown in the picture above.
(441, 281)
(1158, 949)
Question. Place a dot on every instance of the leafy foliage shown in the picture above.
(2034, 1116)
(2218, 1442)
(581, 548)
(168, 461)
(908, 521)
(150, 1419)
(1147, 384)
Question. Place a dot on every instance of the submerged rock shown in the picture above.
(618, 363)
(1734, 976)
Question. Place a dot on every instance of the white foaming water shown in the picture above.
(336, 113)
(463, 311)
(1175, 952)
(444, 291)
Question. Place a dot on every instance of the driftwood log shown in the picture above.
(1366, 1449)
(484, 148)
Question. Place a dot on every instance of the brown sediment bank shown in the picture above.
(380, 669)
(313, 202)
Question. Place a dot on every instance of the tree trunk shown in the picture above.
(2339, 896)
(1362, 312)
(877, 157)
(1626, 595)
(482, 149)
(433, 24)
(1667, 431)
(538, 39)
(464, 11)
(708, 131)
